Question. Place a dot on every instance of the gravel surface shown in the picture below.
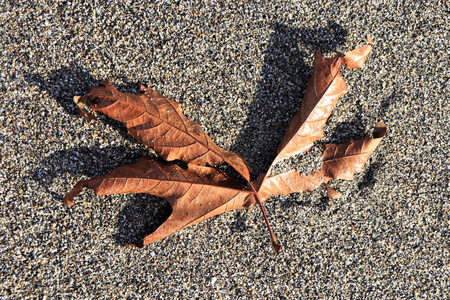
(240, 70)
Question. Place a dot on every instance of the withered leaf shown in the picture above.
(159, 123)
(195, 194)
(200, 191)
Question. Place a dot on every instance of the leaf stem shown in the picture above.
(277, 247)
(275, 244)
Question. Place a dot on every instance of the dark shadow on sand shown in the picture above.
(284, 79)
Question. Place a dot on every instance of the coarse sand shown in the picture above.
(240, 69)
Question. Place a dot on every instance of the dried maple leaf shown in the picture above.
(200, 191)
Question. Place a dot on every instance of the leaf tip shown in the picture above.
(105, 82)
(68, 198)
(380, 130)
(135, 246)
(81, 102)
(68, 201)
(332, 193)
(369, 40)
(277, 247)
(76, 99)
(318, 54)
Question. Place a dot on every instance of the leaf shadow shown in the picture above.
(64, 83)
(284, 78)
(240, 221)
(343, 132)
(315, 200)
(83, 161)
(370, 174)
(140, 217)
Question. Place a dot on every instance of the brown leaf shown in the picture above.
(195, 194)
(325, 88)
(342, 161)
(200, 192)
(159, 123)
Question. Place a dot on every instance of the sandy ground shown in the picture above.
(240, 69)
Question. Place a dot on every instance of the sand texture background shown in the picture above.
(240, 69)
